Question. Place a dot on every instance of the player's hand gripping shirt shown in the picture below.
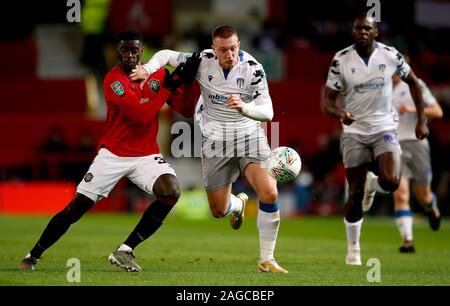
(247, 79)
(408, 120)
(367, 87)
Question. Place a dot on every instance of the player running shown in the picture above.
(362, 74)
(234, 100)
(416, 162)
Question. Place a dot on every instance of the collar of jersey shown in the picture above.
(354, 46)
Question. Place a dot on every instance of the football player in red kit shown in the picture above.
(128, 147)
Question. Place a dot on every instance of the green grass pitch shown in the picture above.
(208, 252)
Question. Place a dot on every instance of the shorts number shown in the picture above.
(160, 160)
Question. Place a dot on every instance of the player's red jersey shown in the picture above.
(132, 113)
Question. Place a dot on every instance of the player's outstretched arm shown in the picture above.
(160, 59)
(163, 58)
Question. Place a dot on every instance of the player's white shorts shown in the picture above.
(360, 149)
(223, 164)
(416, 161)
(107, 169)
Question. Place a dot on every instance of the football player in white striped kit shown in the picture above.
(362, 74)
(234, 100)
(416, 163)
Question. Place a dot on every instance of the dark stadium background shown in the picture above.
(51, 74)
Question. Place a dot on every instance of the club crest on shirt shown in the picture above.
(382, 67)
(117, 88)
(88, 177)
(154, 85)
(240, 82)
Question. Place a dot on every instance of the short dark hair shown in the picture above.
(224, 31)
(363, 15)
(129, 35)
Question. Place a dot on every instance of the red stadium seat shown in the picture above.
(23, 134)
(19, 58)
(29, 95)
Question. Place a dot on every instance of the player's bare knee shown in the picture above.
(401, 196)
(167, 189)
(170, 198)
(269, 196)
(390, 183)
(218, 212)
(424, 198)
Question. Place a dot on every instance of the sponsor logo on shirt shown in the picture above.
(217, 99)
(375, 83)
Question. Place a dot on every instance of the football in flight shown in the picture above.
(284, 164)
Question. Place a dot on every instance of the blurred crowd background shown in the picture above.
(52, 110)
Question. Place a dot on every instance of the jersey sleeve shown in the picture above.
(260, 108)
(165, 57)
(137, 108)
(335, 78)
(402, 67)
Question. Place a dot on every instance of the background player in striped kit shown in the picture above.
(362, 73)
(416, 162)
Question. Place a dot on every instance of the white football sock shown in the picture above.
(268, 225)
(29, 255)
(353, 231)
(235, 205)
(124, 247)
(405, 227)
